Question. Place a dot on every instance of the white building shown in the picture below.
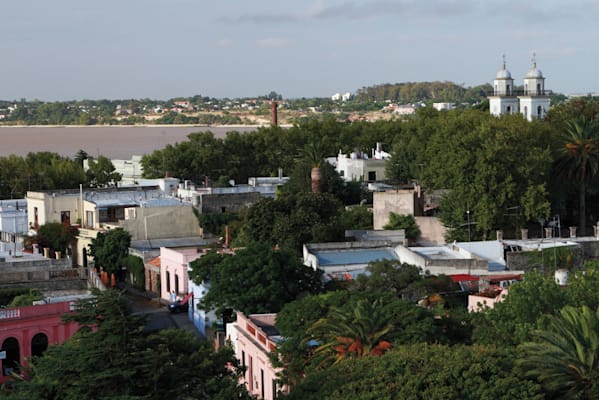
(358, 166)
(13, 225)
(443, 106)
(532, 102)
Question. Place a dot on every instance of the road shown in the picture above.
(159, 317)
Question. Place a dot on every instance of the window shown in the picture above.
(251, 370)
(12, 359)
(168, 281)
(508, 90)
(35, 220)
(508, 109)
(372, 175)
(176, 283)
(89, 219)
(39, 344)
(262, 382)
(539, 112)
(65, 218)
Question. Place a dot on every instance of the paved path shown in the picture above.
(159, 317)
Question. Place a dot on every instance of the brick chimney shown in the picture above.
(273, 113)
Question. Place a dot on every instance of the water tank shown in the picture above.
(561, 277)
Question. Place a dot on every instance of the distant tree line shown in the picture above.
(51, 171)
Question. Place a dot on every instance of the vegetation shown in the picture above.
(112, 356)
(50, 171)
(110, 250)
(393, 333)
(257, 279)
(423, 371)
(56, 236)
(564, 356)
(405, 222)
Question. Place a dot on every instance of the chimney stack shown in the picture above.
(273, 113)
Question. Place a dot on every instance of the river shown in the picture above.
(115, 142)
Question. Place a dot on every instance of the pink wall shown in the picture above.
(23, 323)
(253, 346)
(478, 303)
(173, 268)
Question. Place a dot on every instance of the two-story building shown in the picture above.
(253, 337)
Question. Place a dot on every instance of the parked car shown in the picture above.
(177, 307)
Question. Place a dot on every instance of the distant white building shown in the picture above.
(532, 102)
(341, 97)
(13, 225)
(443, 106)
(358, 166)
(404, 109)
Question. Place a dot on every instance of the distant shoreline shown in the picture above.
(149, 126)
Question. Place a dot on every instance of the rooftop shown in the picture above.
(354, 256)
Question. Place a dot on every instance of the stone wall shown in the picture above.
(220, 203)
(46, 274)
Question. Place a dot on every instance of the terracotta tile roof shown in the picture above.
(155, 262)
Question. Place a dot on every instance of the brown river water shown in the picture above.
(116, 142)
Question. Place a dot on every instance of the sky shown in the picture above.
(160, 49)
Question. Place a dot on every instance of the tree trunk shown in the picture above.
(582, 209)
(315, 174)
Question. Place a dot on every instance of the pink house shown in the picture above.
(253, 337)
(492, 289)
(28, 331)
(480, 301)
(173, 271)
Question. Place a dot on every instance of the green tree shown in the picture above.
(579, 160)
(56, 236)
(405, 222)
(110, 249)
(295, 355)
(564, 357)
(313, 154)
(387, 276)
(257, 279)
(423, 372)
(292, 220)
(487, 165)
(526, 308)
(357, 218)
(80, 156)
(101, 172)
(113, 356)
(358, 332)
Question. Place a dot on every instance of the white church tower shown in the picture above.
(504, 100)
(534, 103)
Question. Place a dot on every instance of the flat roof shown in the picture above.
(354, 256)
(438, 253)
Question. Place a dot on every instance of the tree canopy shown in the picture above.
(110, 249)
(423, 371)
(119, 359)
(257, 279)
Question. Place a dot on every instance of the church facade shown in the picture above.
(532, 101)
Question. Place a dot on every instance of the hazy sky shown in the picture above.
(159, 49)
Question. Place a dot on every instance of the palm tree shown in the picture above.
(351, 333)
(312, 152)
(579, 159)
(565, 357)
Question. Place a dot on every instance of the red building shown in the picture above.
(28, 331)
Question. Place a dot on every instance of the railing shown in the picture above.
(520, 92)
